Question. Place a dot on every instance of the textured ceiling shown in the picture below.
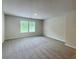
(44, 8)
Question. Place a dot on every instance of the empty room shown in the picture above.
(39, 29)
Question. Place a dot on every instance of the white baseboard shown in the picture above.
(62, 41)
(56, 38)
(70, 46)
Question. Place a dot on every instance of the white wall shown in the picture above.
(3, 27)
(12, 27)
(55, 28)
(62, 28)
(71, 29)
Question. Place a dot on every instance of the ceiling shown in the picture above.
(38, 9)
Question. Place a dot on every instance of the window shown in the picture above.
(23, 26)
(27, 26)
(31, 26)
